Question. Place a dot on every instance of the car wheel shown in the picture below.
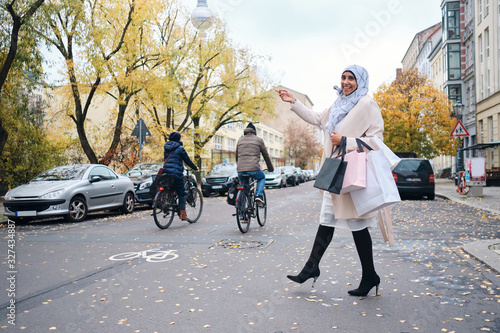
(77, 210)
(431, 196)
(205, 194)
(128, 203)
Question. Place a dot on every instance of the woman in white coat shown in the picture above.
(353, 115)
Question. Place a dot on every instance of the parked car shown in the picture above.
(219, 179)
(310, 174)
(300, 174)
(143, 176)
(414, 177)
(70, 191)
(292, 178)
(277, 178)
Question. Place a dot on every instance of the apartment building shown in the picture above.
(487, 39)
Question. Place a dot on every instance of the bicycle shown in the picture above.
(247, 208)
(462, 184)
(166, 201)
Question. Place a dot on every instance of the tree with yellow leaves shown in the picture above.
(417, 116)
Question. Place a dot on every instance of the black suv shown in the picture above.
(219, 179)
(414, 177)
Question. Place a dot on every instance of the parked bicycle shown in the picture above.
(166, 201)
(247, 208)
(462, 184)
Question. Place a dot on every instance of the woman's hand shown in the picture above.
(286, 96)
(335, 137)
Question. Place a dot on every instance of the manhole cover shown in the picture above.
(242, 244)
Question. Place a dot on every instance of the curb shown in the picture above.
(481, 251)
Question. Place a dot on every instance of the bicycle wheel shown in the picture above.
(163, 213)
(262, 210)
(242, 212)
(194, 204)
(462, 188)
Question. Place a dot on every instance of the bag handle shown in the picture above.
(341, 148)
(361, 143)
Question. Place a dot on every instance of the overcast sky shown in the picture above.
(312, 41)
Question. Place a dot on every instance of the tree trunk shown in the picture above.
(18, 22)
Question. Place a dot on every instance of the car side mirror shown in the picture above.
(95, 179)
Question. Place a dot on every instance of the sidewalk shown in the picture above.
(487, 251)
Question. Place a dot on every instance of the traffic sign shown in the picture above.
(141, 131)
(459, 130)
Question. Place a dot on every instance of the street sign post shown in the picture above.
(141, 131)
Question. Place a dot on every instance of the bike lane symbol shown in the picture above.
(152, 255)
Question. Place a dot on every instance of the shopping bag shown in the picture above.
(380, 188)
(385, 224)
(331, 174)
(393, 158)
(355, 173)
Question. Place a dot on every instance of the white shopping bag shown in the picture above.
(393, 158)
(380, 188)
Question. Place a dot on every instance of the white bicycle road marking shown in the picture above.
(152, 255)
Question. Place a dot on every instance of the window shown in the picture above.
(230, 126)
(240, 125)
(455, 93)
(265, 135)
(481, 131)
(480, 17)
(481, 67)
(271, 151)
(271, 138)
(451, 20)
(486, 7)
(487, 47)
(490, 126)
(217, 142)
(230, 144)
(451, 59)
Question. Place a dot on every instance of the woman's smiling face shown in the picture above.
(348, 83)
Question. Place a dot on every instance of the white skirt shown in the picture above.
(327, 217)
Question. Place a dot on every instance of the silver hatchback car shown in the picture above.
(70, 191)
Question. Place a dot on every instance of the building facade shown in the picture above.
(487, 39)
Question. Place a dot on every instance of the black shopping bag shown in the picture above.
(331, 174)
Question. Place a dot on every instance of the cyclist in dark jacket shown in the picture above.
(174, 155)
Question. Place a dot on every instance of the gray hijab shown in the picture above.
(343, 104)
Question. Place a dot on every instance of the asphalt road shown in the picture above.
(216, 279)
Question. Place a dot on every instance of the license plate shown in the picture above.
(412, 179)
(26, 213)
(216, 187)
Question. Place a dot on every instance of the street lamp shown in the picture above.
(202, 17)
(457, 112)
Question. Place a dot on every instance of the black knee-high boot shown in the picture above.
(369, 278)
(323, 238)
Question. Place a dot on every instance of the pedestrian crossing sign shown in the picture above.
(459, 130)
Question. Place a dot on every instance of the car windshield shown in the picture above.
(224, 168)
(414, 165)
(288, 169)
(67, 172)
(146, 169)
(276, 171)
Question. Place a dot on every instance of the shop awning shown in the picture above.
(483, 145)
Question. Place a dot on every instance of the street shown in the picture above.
(208, 277)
